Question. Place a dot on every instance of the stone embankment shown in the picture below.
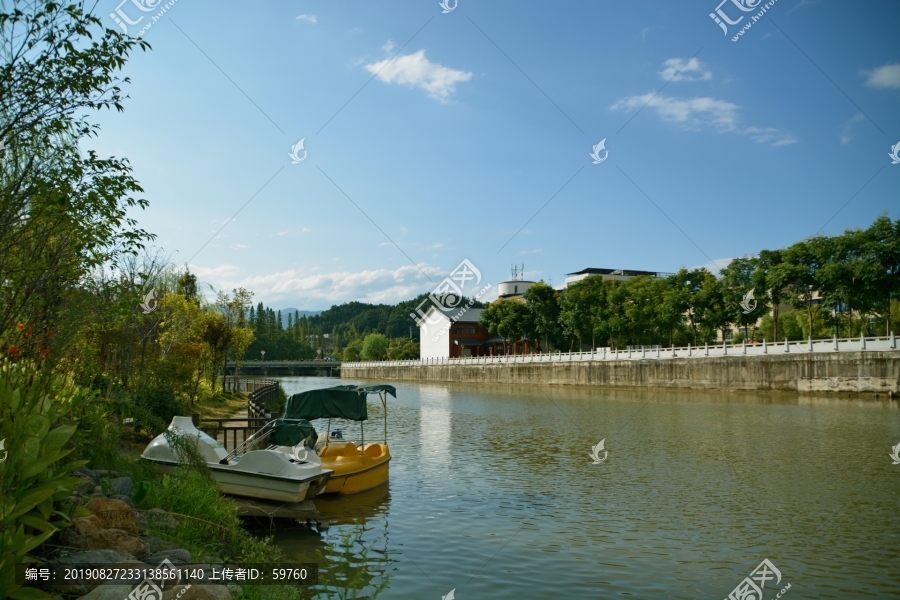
(863, 371)
(115, 534)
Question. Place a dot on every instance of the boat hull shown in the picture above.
(355, 472)
(256, 485)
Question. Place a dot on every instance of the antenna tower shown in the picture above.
(518, 272)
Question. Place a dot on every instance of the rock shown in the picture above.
(101, 473)
(154, 544)
(123, 498)
(98, 491)
(177, 556)
(86, 525)
(114, 513)
(112, 539)
(160, 518)
(236, 590)
(108, 592)
(86, 486)
(75, 499)
(198, 592)
(141, 523)
(121, 486)
(85, 472)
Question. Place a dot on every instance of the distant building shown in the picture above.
(516, 286)
(513, 289)
(439, 337)
(612, 274)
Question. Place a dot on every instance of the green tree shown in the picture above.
(772, 279)
(375, 347)
(65, 212)
(542, 303)
(507, 318)
(737, 281)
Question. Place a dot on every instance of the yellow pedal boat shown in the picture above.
(356, 467)
(355, 470)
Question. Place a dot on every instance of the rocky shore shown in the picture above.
(116, 534)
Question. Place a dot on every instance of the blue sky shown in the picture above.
(484, 114)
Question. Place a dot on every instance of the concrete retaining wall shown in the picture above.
(867, 371)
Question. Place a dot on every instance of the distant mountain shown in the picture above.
(291, 310)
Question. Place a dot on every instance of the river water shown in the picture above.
(493, 493)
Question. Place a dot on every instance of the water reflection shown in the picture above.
(435, 427)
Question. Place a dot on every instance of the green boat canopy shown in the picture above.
(290, 432)
(340, 402)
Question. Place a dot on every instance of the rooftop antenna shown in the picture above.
(518, 272)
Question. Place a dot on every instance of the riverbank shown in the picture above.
(875, 372)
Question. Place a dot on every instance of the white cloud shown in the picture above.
(847, 128)
(321, 290)
(679, 70)
(282, 232)
(415, 69)
(240, 246)
(535, 251)
(209, 274)
(697, 113)
(388, 46)
(644, 32)
(770, 135)
(435, 246)
(308, 18)
(305, 230)
(884, 77)
(691, 113)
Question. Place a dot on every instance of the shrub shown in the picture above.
(35, 433)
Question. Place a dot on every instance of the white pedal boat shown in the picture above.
(281, 473)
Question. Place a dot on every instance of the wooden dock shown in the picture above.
(305, 510)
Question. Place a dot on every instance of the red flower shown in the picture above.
(49, 333)
(21, 325)
(45, 353)
(13, 349)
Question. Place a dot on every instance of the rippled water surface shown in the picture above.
(492, 492)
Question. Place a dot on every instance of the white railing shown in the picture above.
(602, 354)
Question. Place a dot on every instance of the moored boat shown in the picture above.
(356, 466)
(283, 469)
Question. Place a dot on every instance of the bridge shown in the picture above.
(287, 368)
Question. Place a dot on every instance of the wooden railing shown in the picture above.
(232, 432)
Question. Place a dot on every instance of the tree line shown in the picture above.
(844, 285)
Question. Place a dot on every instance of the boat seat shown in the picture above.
(374, 450)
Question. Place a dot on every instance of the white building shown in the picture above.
(613, 274)
(439, 337)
